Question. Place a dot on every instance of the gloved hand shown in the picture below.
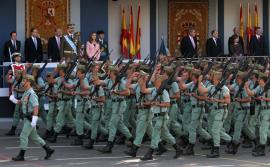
(13, 99)
(34, 121)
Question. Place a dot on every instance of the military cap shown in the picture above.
(49, 74)
(196, 72)
(217, 74)
(29, 78)
(36, 67)
(144, 67)
(61, 66)
(81, 68)
(189, 67)
(113, 68)
(168, 69)
(259, 67)
(161, 77)
(261, 74)
(142, 73)
(15, 54)
(241, 74)
(19, 71)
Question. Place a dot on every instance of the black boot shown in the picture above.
(214, 153)
(49, 151)
(184, 141)
(53, 138)
(229, 148)
(47, 134)
(78, 141)
(20, 156)
(235, 147)
(107, 148)
(178, 151)
(207, 145)
(120, 139)
(189, 150)
(255, 143)
(247, 143)
(129, 143)
(148, 155)
(132, 151)
(11, 132)
(161, 148)
(260, 151)
(89, 145)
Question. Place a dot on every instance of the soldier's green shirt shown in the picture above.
(164, 97)
(58, 85)
(138, 93)
(259, 91)
(19, 86)
(108, 85)
(98, 92)
(220, 94)
(79, 88)
(52, 90)
(29, 101)
(119, 87)
(193, 88)
(174, 88)
(242, 94)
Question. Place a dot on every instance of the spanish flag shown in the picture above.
(241, 21)
(124, 36)
(131, 35)
(138, 34)
(249, 26)
(256, 17)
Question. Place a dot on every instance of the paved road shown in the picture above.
(72, 156)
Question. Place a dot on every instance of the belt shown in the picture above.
(52, 101)
(69, 52)
(161, 114)
(197, 106)
(244, 108)
(173, 102)
(95, 106)
(144, 107)
(265, 107)
(64, 99)
(81, 100)
(186, 101)
(117, 100)
(221, 107)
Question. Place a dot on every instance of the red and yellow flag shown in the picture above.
(132, 51)
(249, 25)
(138, 34)
(124, 36)
(241, 21)
(256, 17)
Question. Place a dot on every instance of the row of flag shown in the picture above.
(129, 48)
(249, 30)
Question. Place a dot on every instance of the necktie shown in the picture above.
(58, 42)
(14, 44)
(35, 42)
(193, 43)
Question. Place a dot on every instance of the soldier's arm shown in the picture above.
(247, 89)
(201, 88)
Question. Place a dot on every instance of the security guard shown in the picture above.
(17, 93)
(29, 102)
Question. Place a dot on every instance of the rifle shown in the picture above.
(29, 69)
(123, 72)
(245, 79)
(103, 63)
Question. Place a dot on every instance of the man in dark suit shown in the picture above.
(33, 48)
(54, 44)
(257, 45)
(230, 41)
(104, 48)
(11, 46)
(189, 44)
(213, 45)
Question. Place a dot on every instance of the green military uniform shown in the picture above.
(29, 101)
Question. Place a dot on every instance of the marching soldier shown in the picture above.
(118, 94)
(218, 111)
(29, 102)
(159, 115)
(81, 93)
(64, 116)
(51, 93)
